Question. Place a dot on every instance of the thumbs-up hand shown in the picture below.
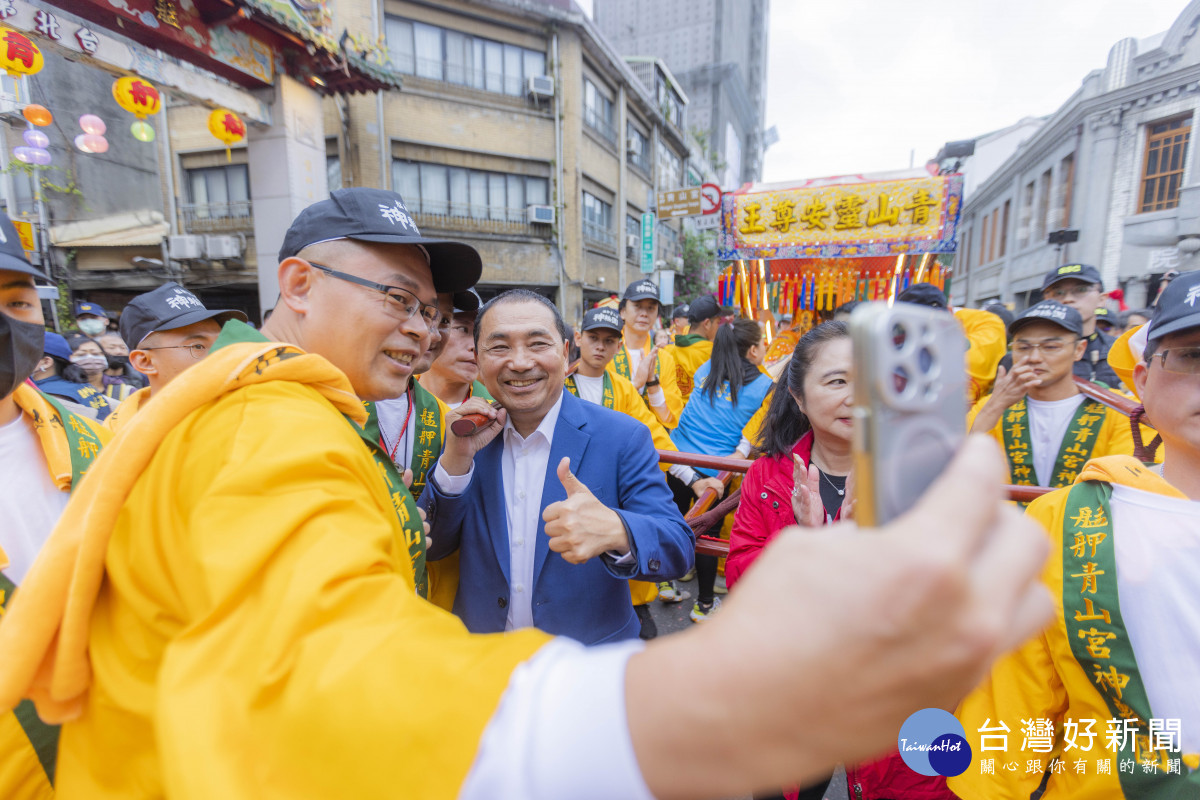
(581, 527)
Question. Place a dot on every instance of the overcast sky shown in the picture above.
(856, 85)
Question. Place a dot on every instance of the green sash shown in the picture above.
(83, 444)
(479, 390)
(428, 438)
(1101, 644)
(42, 737)
(1074, 451)
(621, 361)
(688, 339)
(609, 399)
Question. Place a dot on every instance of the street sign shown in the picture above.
(648, 242)
(707, 222)
(679, 203)
(25, 232)
(710, 198)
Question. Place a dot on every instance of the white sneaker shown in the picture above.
(668, 592)
(699, 613)
(719, 587)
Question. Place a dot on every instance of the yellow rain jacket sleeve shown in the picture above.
(1044, 680)
(987, 345)
(228, 609)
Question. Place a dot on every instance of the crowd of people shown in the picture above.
(398, 542)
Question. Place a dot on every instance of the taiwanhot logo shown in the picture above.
(933, 742)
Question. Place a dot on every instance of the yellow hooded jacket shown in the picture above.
(1044, 680)
(666, 376)
(689, 351)
(28, 745)
(987, 344)
(227, 607)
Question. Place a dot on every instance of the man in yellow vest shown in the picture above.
(679, 320)
(694, 348)
(598, 339)
(1047, 428)
(45, 449)
(231, 604)
(1105, 699)
(649, 368)
(167, 331)
(453, 376)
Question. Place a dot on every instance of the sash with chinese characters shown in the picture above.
(428, 438)
(402, 500)
(609, 399)
(1101, 645)
(1073, 453)
(479, 390)
(621, 362)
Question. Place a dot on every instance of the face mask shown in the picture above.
(21, 346)
(92, 327)
(118, 362)
(90, 364)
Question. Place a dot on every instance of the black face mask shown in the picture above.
(118, 362)
(21, 348)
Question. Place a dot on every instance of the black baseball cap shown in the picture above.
(603, 317)
(1079, 272)
(167, 308)
(1049, 311)
(12, 255)
(641, 290)
(467, 302)
(680, 312)
(923, 294)
(706, 307)
(376, 215)
(1178, 307)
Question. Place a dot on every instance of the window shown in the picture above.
(1026, 215)
(1066, 183)
(598, 111)
(638, 147)
(669, 103)
(983, 240)
(1162, 173)
(1043, 208)
(454, 57)
(597, 220)
(1004, 228)
(219, 192)
(670, 167)
(467, 193)
(995, 233)
(668, 241)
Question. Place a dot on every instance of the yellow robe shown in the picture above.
(130, 406)
(687, 360)
(1113, 439)
(227, 607)
(987, 343)
(1043, 679)
(22, 775)
(666, 377)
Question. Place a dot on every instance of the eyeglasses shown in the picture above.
(1182, 360)
(197, 350)
(400, 303)
(1077, 291)
(1049, 347)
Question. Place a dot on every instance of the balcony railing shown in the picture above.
(217, 217)
(468, 218)
(596, 121)
(598, 234)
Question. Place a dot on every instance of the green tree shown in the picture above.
(699, 266)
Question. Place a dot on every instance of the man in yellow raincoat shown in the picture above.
(692, 349)
(230, 606)
(649, 368)
(45, 449)
(1105, 698)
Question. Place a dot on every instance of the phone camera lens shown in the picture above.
(899, 336)
(900, 379)
(925, 360)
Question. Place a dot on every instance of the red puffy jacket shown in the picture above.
(766, 509)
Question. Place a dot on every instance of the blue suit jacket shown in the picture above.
(613, 455)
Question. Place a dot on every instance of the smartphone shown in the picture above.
(910, 404)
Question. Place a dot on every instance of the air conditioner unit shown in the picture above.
(540, 215)
(540, 86)
(185, 246)
(633, 145)
(632, 240)
(219, 247)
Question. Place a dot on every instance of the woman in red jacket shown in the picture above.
(803, 478)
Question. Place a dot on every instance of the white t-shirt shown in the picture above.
(1048, 423)
(590, 389)
(30, 503)
(1157, 548)
(392, 417)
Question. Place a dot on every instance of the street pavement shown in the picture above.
(673, 618)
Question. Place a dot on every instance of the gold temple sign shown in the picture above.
(679, 203)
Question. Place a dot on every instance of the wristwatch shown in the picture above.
(654, 382)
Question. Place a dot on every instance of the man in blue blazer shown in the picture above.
(552, 503)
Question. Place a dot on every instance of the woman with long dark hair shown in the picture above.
(729, 389)
(803, 478)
